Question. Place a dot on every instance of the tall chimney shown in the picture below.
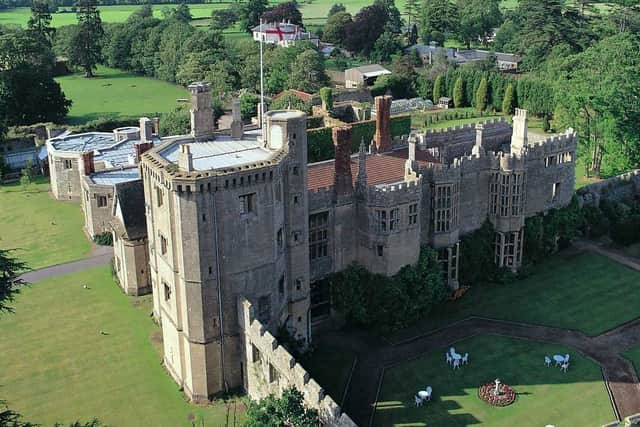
(202, 123)
(236, 122)
(185, 159)
(146, 129)
(141, 148)
(383, 123)
(156, 126)
(361, 180)
(478, 149)
(89, 164)
(342, 180)
(519, 137)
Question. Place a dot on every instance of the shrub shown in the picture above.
(627, 231)
(103, 239)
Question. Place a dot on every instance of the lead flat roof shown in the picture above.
(115, 176)
(222, 152)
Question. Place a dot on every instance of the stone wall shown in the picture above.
(617, 188)
(97, 206)
(270, 369)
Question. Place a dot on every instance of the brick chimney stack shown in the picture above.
(141, 148)
(146, 129)
(89, 164)
(343, 180)
(201, 113)
(383, 123)
(156, 126)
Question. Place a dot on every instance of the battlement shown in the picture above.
(271, 369)
(565, 142)
(407, 186)
(468, 126)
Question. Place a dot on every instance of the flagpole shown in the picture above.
(261, 81)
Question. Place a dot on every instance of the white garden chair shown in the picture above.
(564, 367)
(547, 361)
(566, 358)
(465, 359)
(429, 391)
(456, 364)
(449, 359)
(418, 401)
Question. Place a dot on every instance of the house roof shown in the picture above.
(387, 168)
(130, 196)
(372, 70)
(303, 96)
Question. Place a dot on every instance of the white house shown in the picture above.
(283, 34)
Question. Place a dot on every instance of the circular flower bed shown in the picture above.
(505, 397)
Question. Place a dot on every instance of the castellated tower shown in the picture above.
(226, 218)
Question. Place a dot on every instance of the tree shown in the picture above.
(368, 24)
(411, 10)
(283, 12)
(26, 176)
(10, 283)
(251, 12)
(249, 105)
(86, 44)
(387, 45)
(481, 95)
(458, 93)
(326, 95)
(289, 101)
(334, 28)
(28, 92)
(288, 410)
(181, 13)
(438, 16)
(477, 19)
(176, 121)
(40, 20)
(336, 8)
(394, 21)
(508, 100)
(221, 19)
(307, 72)
(438, 89)
(412, 35)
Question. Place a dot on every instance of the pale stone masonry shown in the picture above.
(232, 232)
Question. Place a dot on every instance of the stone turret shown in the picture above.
(519, 137)
(202, 123)
(236, 122)
(343, 180)
(410, 173)
(383, 124)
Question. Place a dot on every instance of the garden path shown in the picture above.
(100, 255)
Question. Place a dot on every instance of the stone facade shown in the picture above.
(218, 229)
(271, 369)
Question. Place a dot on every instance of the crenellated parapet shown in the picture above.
(394, 194)
(563, 143)
(272, 369)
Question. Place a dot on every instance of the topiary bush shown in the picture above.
(103, 239)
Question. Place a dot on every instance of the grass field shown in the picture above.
(584, 291)
(544, 395)
(43, 230)
(115, 93)
(314, 12)
(58, 367)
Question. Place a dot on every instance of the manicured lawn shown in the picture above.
(584, 291)
(43, 230)
(115, 93)
(120, 13)
(56, 366)
(331, 368)
(544, 395)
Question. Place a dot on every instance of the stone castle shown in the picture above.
(232, 231)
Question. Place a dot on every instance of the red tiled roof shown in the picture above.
(303, 96)
(384, 168)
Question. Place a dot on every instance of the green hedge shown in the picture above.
(320, 144)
